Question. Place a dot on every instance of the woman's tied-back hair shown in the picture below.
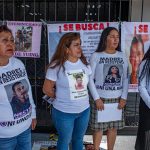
(103, 39)
(60, 56)
(4, 28)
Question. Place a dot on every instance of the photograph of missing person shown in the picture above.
(18, 96)
(23, 38)
(113, 75)
(79, 82)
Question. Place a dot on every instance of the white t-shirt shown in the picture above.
(109, 77)
(71, 86)
(15, 116)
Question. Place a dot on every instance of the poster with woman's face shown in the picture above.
(135, 41)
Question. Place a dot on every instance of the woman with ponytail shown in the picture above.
(143, 135)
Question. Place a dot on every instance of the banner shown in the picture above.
(27, 37)
(135, 41)
(90, 35)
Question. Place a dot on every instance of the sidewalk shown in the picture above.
(122, 142)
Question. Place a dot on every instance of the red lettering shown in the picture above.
(90, 27)
(84, 26)
(68, 27)
(95, 26)
(65, 27)
(107, 24)
(78, 27)
(101, 26)
(143, 28)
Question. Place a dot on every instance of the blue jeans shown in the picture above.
(19, 142)
(71, 127)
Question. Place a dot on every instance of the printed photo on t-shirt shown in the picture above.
(112, 74)
(18, 97)
(78, 84)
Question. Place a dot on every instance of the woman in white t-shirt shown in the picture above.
(70, 112)
(17, 108)
(108, 85)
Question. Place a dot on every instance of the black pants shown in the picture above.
(143, 134)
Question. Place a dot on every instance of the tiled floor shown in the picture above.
(122, 142)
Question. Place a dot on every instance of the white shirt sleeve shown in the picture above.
(125, 84)
(143, 88)
(91, 85)
(51, 74)
(32, 102)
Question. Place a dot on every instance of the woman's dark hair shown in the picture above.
(60, 55)
(4, 28)
(146, 68)
(14, 85)
(147, 54)
(102, 44)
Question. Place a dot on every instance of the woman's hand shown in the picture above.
(33, 125)
(99, 104)
(122, 103)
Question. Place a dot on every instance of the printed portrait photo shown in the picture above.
(18, 97)
(112, 74)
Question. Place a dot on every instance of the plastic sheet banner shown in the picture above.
(27, 37)
(90, 35)
(135, 41)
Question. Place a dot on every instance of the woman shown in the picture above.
(15, 118)
(70, 111)
(107, 56)
(143, 135)
(136, 56)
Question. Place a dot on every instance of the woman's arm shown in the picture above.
(91, 84)
(48, 88)
(143, 87)
(125, 80)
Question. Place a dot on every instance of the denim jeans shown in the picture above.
(19, 142)
(71, 127)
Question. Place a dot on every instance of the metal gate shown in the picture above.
(64, 10)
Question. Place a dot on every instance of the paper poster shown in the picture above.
(135, 41)
(27, 37)
(110, 113)
(90, 35)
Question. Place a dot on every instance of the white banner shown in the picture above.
(135, 40)
(27, 38)
(90, 35)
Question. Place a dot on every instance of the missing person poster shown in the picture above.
(90, 35)
(27, 36)
(135, 41)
